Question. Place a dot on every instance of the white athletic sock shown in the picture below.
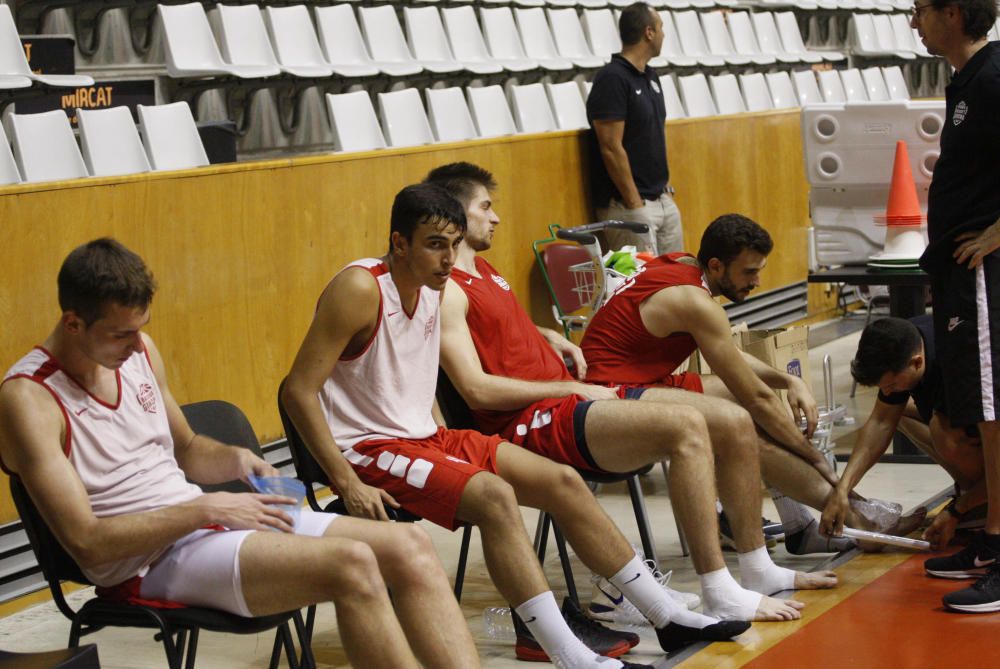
(640, 587)
(794, 516)
(543, 618)
(759, 573)
(726, 599)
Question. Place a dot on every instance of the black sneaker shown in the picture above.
(982, 597)
(726, 532)
(970, 562)
(586, 628)
(675, 636)
(528, 649)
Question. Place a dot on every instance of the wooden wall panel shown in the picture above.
(241, 252)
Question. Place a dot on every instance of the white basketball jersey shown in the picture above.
(123, 453)
(387, 390)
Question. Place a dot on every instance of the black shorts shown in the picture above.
(967, 338)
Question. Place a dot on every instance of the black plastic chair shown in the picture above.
(458, 416)
(177, 629)
(309, 472)
(83, 657)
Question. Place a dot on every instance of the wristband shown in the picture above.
(952, 509)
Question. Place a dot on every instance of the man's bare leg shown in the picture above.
(282, 572)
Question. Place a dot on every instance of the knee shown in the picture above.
(355, 571)
(735, 426)
(411, 542)
(692, 440)
(495, 501)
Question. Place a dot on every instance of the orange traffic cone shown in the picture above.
(903, 207)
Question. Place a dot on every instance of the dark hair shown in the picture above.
(100, 272)
(886, 346)
(978, 16)
(424, 203)
(461, 179)
(728, 235)
(633, 22)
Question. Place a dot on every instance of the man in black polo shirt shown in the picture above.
(898, 356)
(628, 160)
(963, 224)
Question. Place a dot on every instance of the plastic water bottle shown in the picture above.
(498, 624)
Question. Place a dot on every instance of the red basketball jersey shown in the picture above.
(618, 347)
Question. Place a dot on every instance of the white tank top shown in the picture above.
(387, 390)
(123, 453)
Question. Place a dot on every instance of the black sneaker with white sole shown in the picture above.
(970, 562)
(982, 597)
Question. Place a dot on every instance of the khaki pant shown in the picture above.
(662, 217)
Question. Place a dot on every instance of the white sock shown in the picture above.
(759, 573)
(794, 516)
(637, 583)
(543, 618)
(726, 599)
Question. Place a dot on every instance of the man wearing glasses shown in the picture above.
(963, 225)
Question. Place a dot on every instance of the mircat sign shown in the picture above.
(55, 55)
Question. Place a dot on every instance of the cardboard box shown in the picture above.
(698, 365)
(785, 350)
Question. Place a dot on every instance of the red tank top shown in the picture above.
(618, 347)
(506, 339)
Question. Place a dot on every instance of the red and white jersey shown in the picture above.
(123, 452)
(506, 339)
(618, 347)
(387, 390)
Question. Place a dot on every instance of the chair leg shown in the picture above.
(542, 536)
(463, 558)
(685, 551)
(642, 519)
(276, 649)
(566, 566)
(304, 632)
(192, 648)
(291, 654)
(174, 650)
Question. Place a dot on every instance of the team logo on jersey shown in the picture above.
(147, 398)
(500, 281)
(656, 86)
(961, 109)
(429, 327)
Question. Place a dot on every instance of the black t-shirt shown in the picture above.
(621, 92)
(965, 191)
(928, 394)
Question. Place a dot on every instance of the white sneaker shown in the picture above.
(608, 604)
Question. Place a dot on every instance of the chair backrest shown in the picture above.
(242, 35)
(307, 469)
(404, 120)
(568, 105)
(864, 33)
(755, 92)
(782, 92)
(8, 166)
(875, 84)
(340, 35)
(726, 91)
(854, 85)
(697, 98)
(717, 33)
(426, 35)
(832, 86)
(689, 31)
(456, 413)
(806, 87)
(294, 38)
(672, 99)
(767, 33)
(383, 35)
(353, 121)
(671, 40)
(449, 115)
(188, 40)
(500, 33)
(44, 146)
(110, 142)
(12, 58)
(602, 31)
(788, 29)
(171, 137)
(902, 32)
(557, 259)
(744, 38)
(531, 108)
(464, 35)
(568, 33)
(490, 111)
(896, 83)
(223, 422)
(57, 565)
(885, 37)
(535, 33)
